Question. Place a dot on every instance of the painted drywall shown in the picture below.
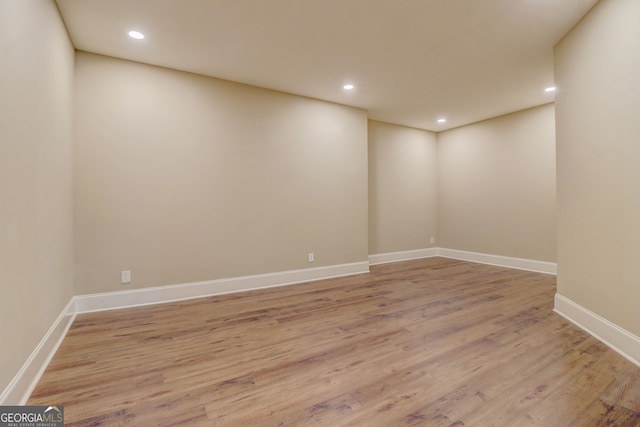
(598, 132)
(496, 186)
(183, 178)
(402, 188)
(36, 128)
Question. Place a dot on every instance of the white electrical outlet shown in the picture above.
(432, 240)
(126, 276)
(312, 257)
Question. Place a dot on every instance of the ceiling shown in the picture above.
(411, 61)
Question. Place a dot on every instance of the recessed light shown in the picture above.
(550, 89)
(442, 120)
(348, 87)
(136, 35)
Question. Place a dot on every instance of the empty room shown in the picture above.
(320, 212)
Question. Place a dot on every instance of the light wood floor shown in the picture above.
(433, 342)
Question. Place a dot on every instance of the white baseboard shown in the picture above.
(169, 293)
(402, 256)
(620, 340)
(20, 388)
(501, 261)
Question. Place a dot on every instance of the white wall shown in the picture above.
(36, 128)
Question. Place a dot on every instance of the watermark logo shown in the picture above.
(31, 416)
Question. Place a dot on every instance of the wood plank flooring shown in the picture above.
(432, 342)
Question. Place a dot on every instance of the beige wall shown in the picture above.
(597, 67)
(496, 186)
(36, 109)
(183, 178)
(402, 188)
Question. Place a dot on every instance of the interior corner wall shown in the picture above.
(597, 66)
(183, 178)
(497, 187)
(36, 131)
(402, 188)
